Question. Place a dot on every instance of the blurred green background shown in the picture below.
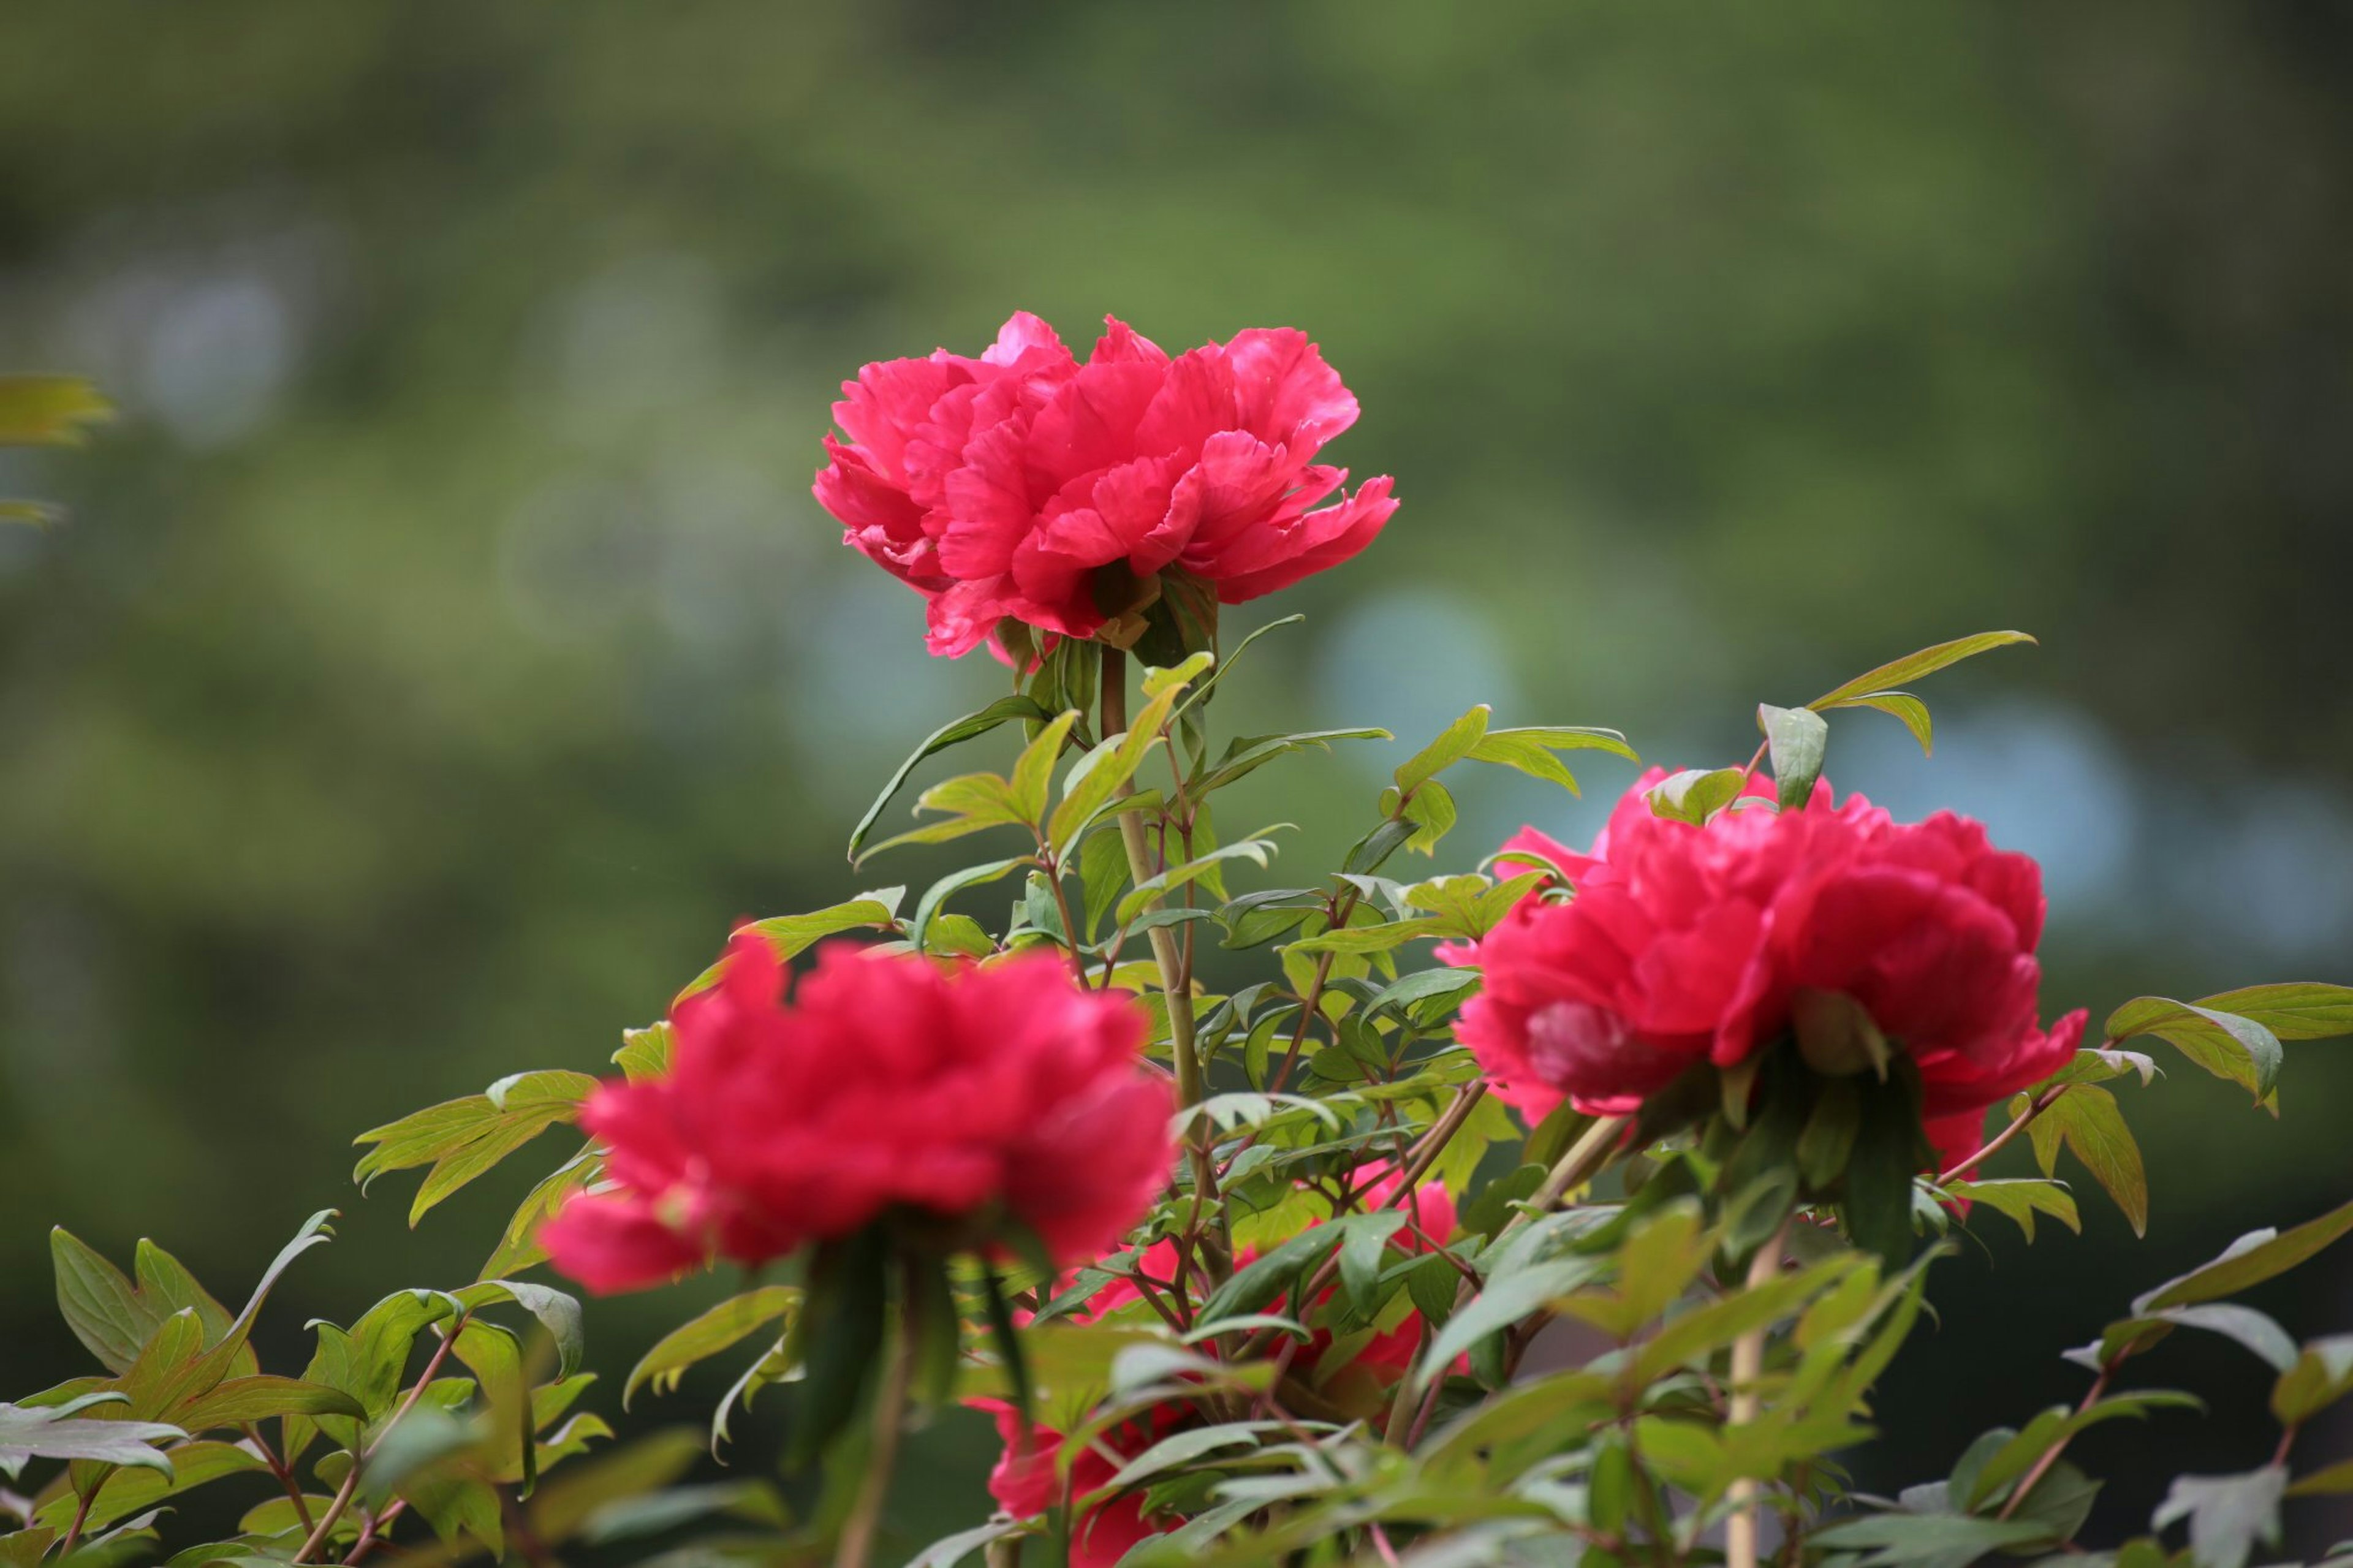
(445, 648)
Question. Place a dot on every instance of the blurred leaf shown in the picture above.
(706, 1334)
(2225, 1044)
(2014, 1458)
(1002, 710)
(2322, 1376)
(2228, 1514)
(127, 1491)
(2258, 1256)
(2336, 1480)
(2253, 1330)
(1696, 795)
(1797, 739)
(519, 1246)
(644, 1052)
(1911, 666)
(1943, 1539)
(49, 410)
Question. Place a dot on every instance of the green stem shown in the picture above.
(857, 1546)
(343, 1494)
(1174, 985)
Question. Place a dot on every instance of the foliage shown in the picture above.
(1739, 1260)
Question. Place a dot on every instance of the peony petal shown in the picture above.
(1284, 392)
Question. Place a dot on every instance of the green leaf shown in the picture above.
(1911, 666)
(1430, 812)
(1257, 850)
(2086, 1120)
(2334, 1480)
(1002, 710)
(1503, 1302)
(644, 1052)
(519, 1246)
(2255, 1331)
(1696, 795)
(49, 410)
(789, 936)
(1452, 745)
(1246, 755)
(258, 1398)
(1033, 774)
(648, 1464)
(558, 1313)
(2322, 1376)
(954, 882)
(1948, 1539)
(125, 1493)
(58, 1433)
(1531, 750)
(2225, 1044)
(106, 1312)
(2228, 1514)
(461, 1139)
(1904, 707)
(951, 1550)
(2022, 1200)
(1797, 739)
(1366, 939)
(1096, 777)
(709, 1333)
(2054, 1426)
(2247, 1262)
(2293, 1010)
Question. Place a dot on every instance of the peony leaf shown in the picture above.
(709, 1333)
(1902, 706)
(789, 936)
(2228, 1514)
(1696, 795)
(2255, 1257)
(2086, 1120)
(2295, 1010)
(2227, 1044)
(1797, 739)
(1003, 711)
(1913, 666)
(1454, 744)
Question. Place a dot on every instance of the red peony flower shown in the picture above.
(1024, 1483)
(967, 1097)
(1685, 943)
(1026, 485)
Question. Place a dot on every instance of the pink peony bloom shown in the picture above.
(961, 1099)
(1024, 1484)
(1023, 1481)
(1686, 943)
(1025, 484)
